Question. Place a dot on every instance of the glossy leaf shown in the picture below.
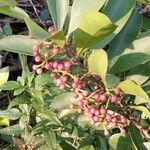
(129, 61)
(119, 142)
(130, 87)
(112, 80)
(11, 130)
(11, 3)
(136, 137)
(92, 30)
(113, 11)
(58, 10)
(63, 101)
(18, 44)
(142, 109)
(11, 114)
(97, 63)
(124, 38)
(4, 121)
(10, 85)
(79, 9)
(4, 74)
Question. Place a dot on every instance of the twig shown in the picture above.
(37, 13)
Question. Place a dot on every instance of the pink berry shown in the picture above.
(46, 54)
(114, 125)
(103, 111)
(122, 131)
(117, 90)
(102, 97)
(67, 64)
(37, 58)
(87, 110)
(114, 119)
(97, 112)
(64, 78)
(81, 103)
(114, 99)
(58, 82)
(86, 102)
(51, 29)
(35, 53)
(92, 110)
(123, 119)
(53, 75)
(90, 115)
(60, 66)
(96, 118)
(55, 50)
(47, 66)
(74, 85)
(62, 86)
(55, 64)
(96, 96)
(109, 117)
(34, 67)
(36, 48)
(105, 122)
(39, 71)
(76, 80)
(85, 93)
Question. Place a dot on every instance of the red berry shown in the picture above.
(109, 117)
(76, 80)
(67, 64)
(60, 66)
(39, 71)
(114, 99)
(103, 111)
(37, 58)
(96, 118)
(123, 119)
(55, 64)
(55, 50)
(92, 110)
(97, 112)
(74, 85)
(114, 125)
(102, 97)
(114, 119)
(64, 78)
(117, 90)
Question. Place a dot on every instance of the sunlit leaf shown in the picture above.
(4, 121)
(10, 85)
(4, 74)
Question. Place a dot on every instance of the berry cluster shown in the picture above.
(93, 99)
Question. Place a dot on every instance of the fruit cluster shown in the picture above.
(93, 99)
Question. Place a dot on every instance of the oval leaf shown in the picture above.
(18, 44)
(11, 3)
(130, 87)
(79, 8)
(97, 63)
(92, 30)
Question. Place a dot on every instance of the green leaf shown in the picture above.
(113, 11)
(11, 130)
(112, 80)
(58, 10)
(118, 142)
(140, 73)
(4, 74)
(91, 31)
(33, 28)
(13, 12)
(19, 91)
(136, 137)
(146, 23)
(89, 147)
(11, 3)
(11, 114)
(50, 137)
(97, 63)
(4, 121)
(124, 38)
(7, 30)
(17, 43)
(128, 61)
(59, 38)
(142, 109)
(63, 101)
(79, 8)
(18, 101)
(10, 85)
(143, 1)
(66, 112)
(130, 87)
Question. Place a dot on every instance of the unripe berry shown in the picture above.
(39, 71)
(103, 111)
(58, 82)
(36, 48)
(96, 118)
(62, 86)
(67, 65)
(46, 54)
(75, 95)
(55, 51)
(37, 58)
(34, 67)
(122, 131)
(80, 111)
(92, 122)
(117, 90)
(47, 66)
(53, 75)
(114, 99)
(106, 132)
(51, 29)
(60, 66)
